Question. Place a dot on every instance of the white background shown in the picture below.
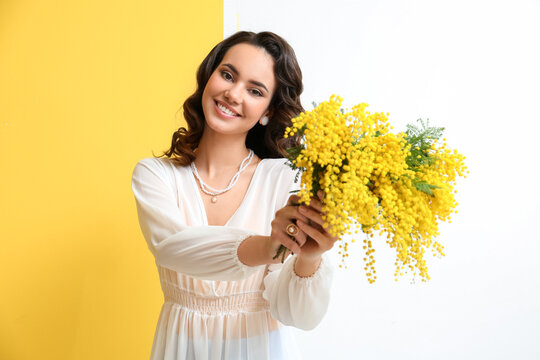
(472, 67)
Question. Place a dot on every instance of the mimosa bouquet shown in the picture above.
(399, 185)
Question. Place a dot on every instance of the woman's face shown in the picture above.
(239, 91)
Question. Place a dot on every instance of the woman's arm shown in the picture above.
(255, 250)
(205, 252)
(299, 293)
(299, 301)
(260, 250)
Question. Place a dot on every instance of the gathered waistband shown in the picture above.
(246, 302)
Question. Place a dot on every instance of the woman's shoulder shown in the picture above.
(281, 178)
(276, 162)
(276, 165)
(162, 163)
(155, 165)
(161, 167)
(278, 168)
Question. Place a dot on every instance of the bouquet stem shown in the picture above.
(281, 251)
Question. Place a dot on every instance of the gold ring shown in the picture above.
(292, 229)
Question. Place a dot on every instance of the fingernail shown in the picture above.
(320, 194)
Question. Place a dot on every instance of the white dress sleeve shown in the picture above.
(204, 252)
(297, 301)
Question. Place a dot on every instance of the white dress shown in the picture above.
(215, 306)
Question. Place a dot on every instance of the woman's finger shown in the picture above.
(280, 224)
(325, 241)
(311, 213)
(289, 243)
(293, 200)
(316, 204)
(300, 236)
(290, 213)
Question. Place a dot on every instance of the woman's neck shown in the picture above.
(217, 155)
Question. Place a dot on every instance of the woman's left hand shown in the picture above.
(319, 239)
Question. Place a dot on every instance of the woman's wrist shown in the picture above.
(306, 267)
(257, 250)
(271, 249)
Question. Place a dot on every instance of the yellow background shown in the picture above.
(87, 88)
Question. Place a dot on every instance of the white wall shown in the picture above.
(473, 67)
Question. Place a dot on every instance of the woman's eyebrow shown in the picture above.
(233, 69)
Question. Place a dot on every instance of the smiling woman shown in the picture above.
(236, 97)
(216, 206)
(285, 103)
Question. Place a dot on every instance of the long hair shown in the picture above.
(266, 141)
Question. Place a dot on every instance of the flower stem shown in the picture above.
(281, 251)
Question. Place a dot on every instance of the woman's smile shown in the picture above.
(225, 110)
(241, 87)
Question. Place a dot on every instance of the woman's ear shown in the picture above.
(266, 118)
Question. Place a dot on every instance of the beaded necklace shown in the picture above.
(214, 192)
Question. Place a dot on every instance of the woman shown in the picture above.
(216, 207)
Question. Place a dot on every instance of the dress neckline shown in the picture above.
(201, 203)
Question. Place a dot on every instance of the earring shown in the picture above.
(264, 121)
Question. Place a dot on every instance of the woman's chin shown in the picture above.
(222, 129)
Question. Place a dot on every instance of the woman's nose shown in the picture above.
(233, 94)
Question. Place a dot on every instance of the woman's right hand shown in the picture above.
(285, 216)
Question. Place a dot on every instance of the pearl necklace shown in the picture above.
(214, 192)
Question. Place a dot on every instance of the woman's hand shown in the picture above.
(318, 239)
(311, 241)
(284, 217)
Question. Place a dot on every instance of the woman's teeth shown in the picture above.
(225, 110)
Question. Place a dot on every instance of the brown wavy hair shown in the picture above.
(266, 141)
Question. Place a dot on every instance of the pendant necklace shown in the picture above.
(214, 192)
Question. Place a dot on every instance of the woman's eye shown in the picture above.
(226, 75)
(256, 92)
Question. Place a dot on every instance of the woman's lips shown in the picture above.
(223, 113)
